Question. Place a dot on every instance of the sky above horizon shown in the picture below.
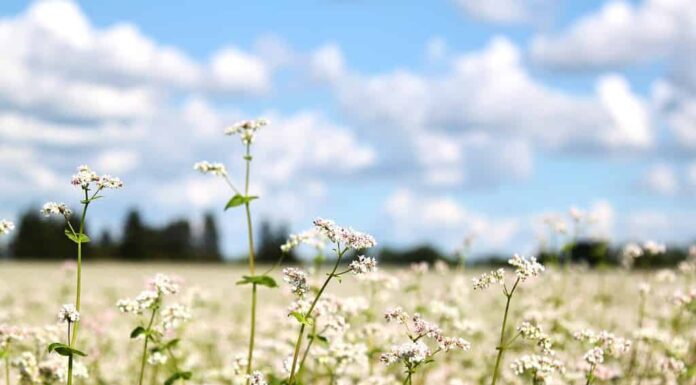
(414, 121)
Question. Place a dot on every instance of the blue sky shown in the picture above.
(416, 121)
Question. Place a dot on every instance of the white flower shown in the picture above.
(164, 284)
(246, 129)
(157, 358)
(310, 237)
(363, 265)
(540, 366)
(256, 378)
(53, 208)
(84, 177)
(6, 226)
(68, 314)
(409, 352)
(108, 181)
(217, 169)
(526, 268)
(173, 315)
(297, 279)
(594, 356)
(488, 279)
(451, 343)
(344, 236)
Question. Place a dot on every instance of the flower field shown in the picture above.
(556, 322)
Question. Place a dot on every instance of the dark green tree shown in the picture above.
(134, 245)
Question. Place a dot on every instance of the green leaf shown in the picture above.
(177, 376)
(262, 280)
(171, 344)
(301, 318)
(77, 238)
(238, 200)
(137, 331)
(64, 350)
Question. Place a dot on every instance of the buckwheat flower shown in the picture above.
(526, 268)
(173, 315)
(673, 365)
(396, 314)
(363, 265)
(147, 300)
(297, 279)
(28, 368)
(422, 327)
(488, 279)
(53, 208)
(541, 367)
(529, 331)
(654, 248)
(68, 314)
(163, 284)
(217, 169)
(256, 378)
(451, 343)
(128, 306)
(84, 177)
(344, 236)
(6, 226)
(108, 181)
(594, 356)
(409, 353)
(246, 129)
(157, 358)
(310, 237)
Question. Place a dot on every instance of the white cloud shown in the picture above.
(505, 11)
(491, 91)
(442, 219)
(117, 161)
(234, 70)
(661, 179)
(619, 33)
(327, 63)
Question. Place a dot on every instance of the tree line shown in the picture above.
(39, 238)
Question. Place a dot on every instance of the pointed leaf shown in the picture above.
(262, 280)
(239, 200)
(77, 238)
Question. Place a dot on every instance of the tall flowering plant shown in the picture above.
(247, 132)
(525, 268)
(90, 184)
(344, 240)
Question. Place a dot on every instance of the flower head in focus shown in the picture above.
(344, 236)
(526, 267)
(205, 167)
(363, 265)
(246, 129)
(68, 314)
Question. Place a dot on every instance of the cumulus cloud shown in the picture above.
(444, 220)
(505, 11)
(620, 33)
(661, 179)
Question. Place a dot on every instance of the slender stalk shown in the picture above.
(590, 375)
(143, 359)
(78, 288)
(252, 269)
(501, 347)
(7, 369)
(306, 352)
(296, 354)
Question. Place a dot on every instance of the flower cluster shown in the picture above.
(6, 226)
(257, 378)
(487, 279)
(85, 176)
(297, 279)
(534, 332)
(416, 351)
(246, 129)
(68, 314)
(54, 208)
(363, 265)
(541, 367)
(526, 268)
(217, 169)
(310, 237)
(633, 251)
(344, 236)
(158, 287)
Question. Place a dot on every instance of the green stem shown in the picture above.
(306, 352)
(7, 369)
(501, 347)
(590, 375)
(291, 381)
(250, 236)
(143, 359)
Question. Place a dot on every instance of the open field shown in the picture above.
(351, 323)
